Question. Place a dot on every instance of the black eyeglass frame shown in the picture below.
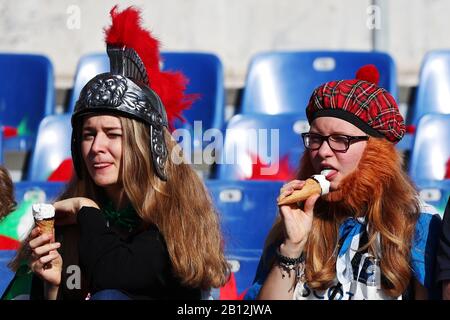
(350, 140)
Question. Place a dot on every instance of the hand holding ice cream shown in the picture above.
(317, 184)
(298, 222)
(45, 260)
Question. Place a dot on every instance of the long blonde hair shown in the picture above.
(180, 207)
(378, 189)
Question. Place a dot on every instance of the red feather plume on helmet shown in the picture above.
(126, 31)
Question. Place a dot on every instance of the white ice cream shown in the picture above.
(43, 211)
(325, 172)
(323, 182)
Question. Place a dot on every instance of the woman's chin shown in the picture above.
(334, 185)
(334, 193)
(105, 182)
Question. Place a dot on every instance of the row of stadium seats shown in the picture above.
(246, 204)
(255, 147)
(277, 83)
(27, 94)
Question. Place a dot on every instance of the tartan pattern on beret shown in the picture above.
(362, 103)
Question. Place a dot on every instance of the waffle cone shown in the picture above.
(311, 187)
(46, 225)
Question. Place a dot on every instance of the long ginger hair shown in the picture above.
(180, 207)
(378, 189)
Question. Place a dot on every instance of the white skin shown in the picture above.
(101, 150)
(341, 163)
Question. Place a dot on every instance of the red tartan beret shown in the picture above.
(361, 102)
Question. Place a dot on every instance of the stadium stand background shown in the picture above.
(234, 30)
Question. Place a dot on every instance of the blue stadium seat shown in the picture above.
(26, 96)
(430, 157)
(433, 90)
(247, 211)
(52, 146)
(435, 192)
(282, 82)
(431, 149)
(6, 275)
(205, 74)
(257, 142)
(88, 67)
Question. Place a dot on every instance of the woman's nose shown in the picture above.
(99, 143)
(325, 151)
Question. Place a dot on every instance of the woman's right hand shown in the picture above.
(66, 210)
(45, 260)
(297, 222)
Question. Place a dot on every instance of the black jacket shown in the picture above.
(138, 265)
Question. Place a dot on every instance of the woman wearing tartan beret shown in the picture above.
(370, 237)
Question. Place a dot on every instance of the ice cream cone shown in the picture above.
(44, 217)
(46, 225)
(317, 184)
(311, 187)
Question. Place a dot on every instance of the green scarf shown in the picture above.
(126, 218)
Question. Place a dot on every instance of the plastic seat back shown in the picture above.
(88, 67)
(26, 90)
(52, 146)
(27, 95)
(205, 74)
(431, 150)
(433, 90)
(262, 147)
(282, 82)
(247, 211)
(204, 71)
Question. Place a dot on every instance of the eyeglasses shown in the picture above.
(337, 142)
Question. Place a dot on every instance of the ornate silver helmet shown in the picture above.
(135, 87)
(123, 91)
